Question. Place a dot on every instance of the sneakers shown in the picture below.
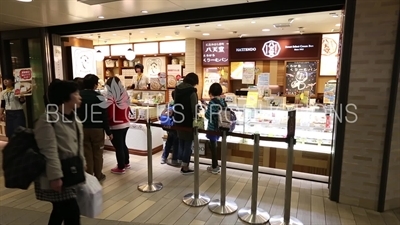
(116, 170)
(213, 170)
(127, 166)
(163, 161)
(187, 172)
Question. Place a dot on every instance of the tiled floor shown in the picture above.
(124, 204)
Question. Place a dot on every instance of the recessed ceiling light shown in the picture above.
(114, 34)
(187, 27)
(338, 25)
(253, 21)
(24, 0)
(219, 25)
(206, 34)
(145, 11)
(141, 32)
(265, 30)
(100, 17)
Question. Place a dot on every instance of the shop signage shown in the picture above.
(279, 48)
(216, 53)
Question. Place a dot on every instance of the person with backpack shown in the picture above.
(12, 108)
(172, 142)
(216, 104)
(59, 137)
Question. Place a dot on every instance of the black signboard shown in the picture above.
(301, 76)
(216, 53)
(291, 124)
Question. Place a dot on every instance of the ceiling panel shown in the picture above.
(44, 13)
(136, 6)
(193, 4)
(311, 23)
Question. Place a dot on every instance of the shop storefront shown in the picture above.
(325, 147)
(287, 71)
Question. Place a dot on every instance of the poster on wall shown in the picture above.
(249, 71)
(153, 66)
(330, 92)
(329, 54)
(211, 75)
(83, 61)
(216, 53)
(58, 66)
(301, 76)
(174, 74)
(23, 82)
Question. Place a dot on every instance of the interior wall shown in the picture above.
(373, 47)
(193, 57)
(393, 182)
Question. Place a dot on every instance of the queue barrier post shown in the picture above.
(254, 215)
(196, 199)
(222, 206)
(286, 219)
(149, 186)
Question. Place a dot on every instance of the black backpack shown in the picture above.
(22, 161)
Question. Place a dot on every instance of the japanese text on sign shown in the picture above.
(216, 52)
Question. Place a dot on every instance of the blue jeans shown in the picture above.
(186, 150)
(172, 142)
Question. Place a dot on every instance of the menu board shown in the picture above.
(216, 53)
(23, 81)
(301, 76)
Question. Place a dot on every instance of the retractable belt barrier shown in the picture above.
(253, 214)
(150, 186)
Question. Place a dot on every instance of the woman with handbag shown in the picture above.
(59, 136)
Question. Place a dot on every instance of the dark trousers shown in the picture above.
(121, 150)
(213, 147)
(185, 147)
(171, 143)
(14, 119)
(65, 211)
(93, 143)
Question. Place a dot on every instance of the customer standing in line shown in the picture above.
(12, 108)
(95, 123)
(216, 104)
(185, 112)
(59, 136)
(118, 118)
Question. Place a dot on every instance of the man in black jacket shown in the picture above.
(95, 123)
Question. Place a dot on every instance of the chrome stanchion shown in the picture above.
(254, 215)
(196, 199)
(286, 219)
(222, 206)
(150, 186)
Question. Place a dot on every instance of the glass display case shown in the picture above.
(313, 125)
(148, 97)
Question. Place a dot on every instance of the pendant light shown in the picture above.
(130, 54)
(99, 55)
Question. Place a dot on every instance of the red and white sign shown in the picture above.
(23, 81)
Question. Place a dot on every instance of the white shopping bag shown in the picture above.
(90, 197)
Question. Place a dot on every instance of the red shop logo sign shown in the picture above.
(25, 74)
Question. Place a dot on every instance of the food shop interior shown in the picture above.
(266, 66)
